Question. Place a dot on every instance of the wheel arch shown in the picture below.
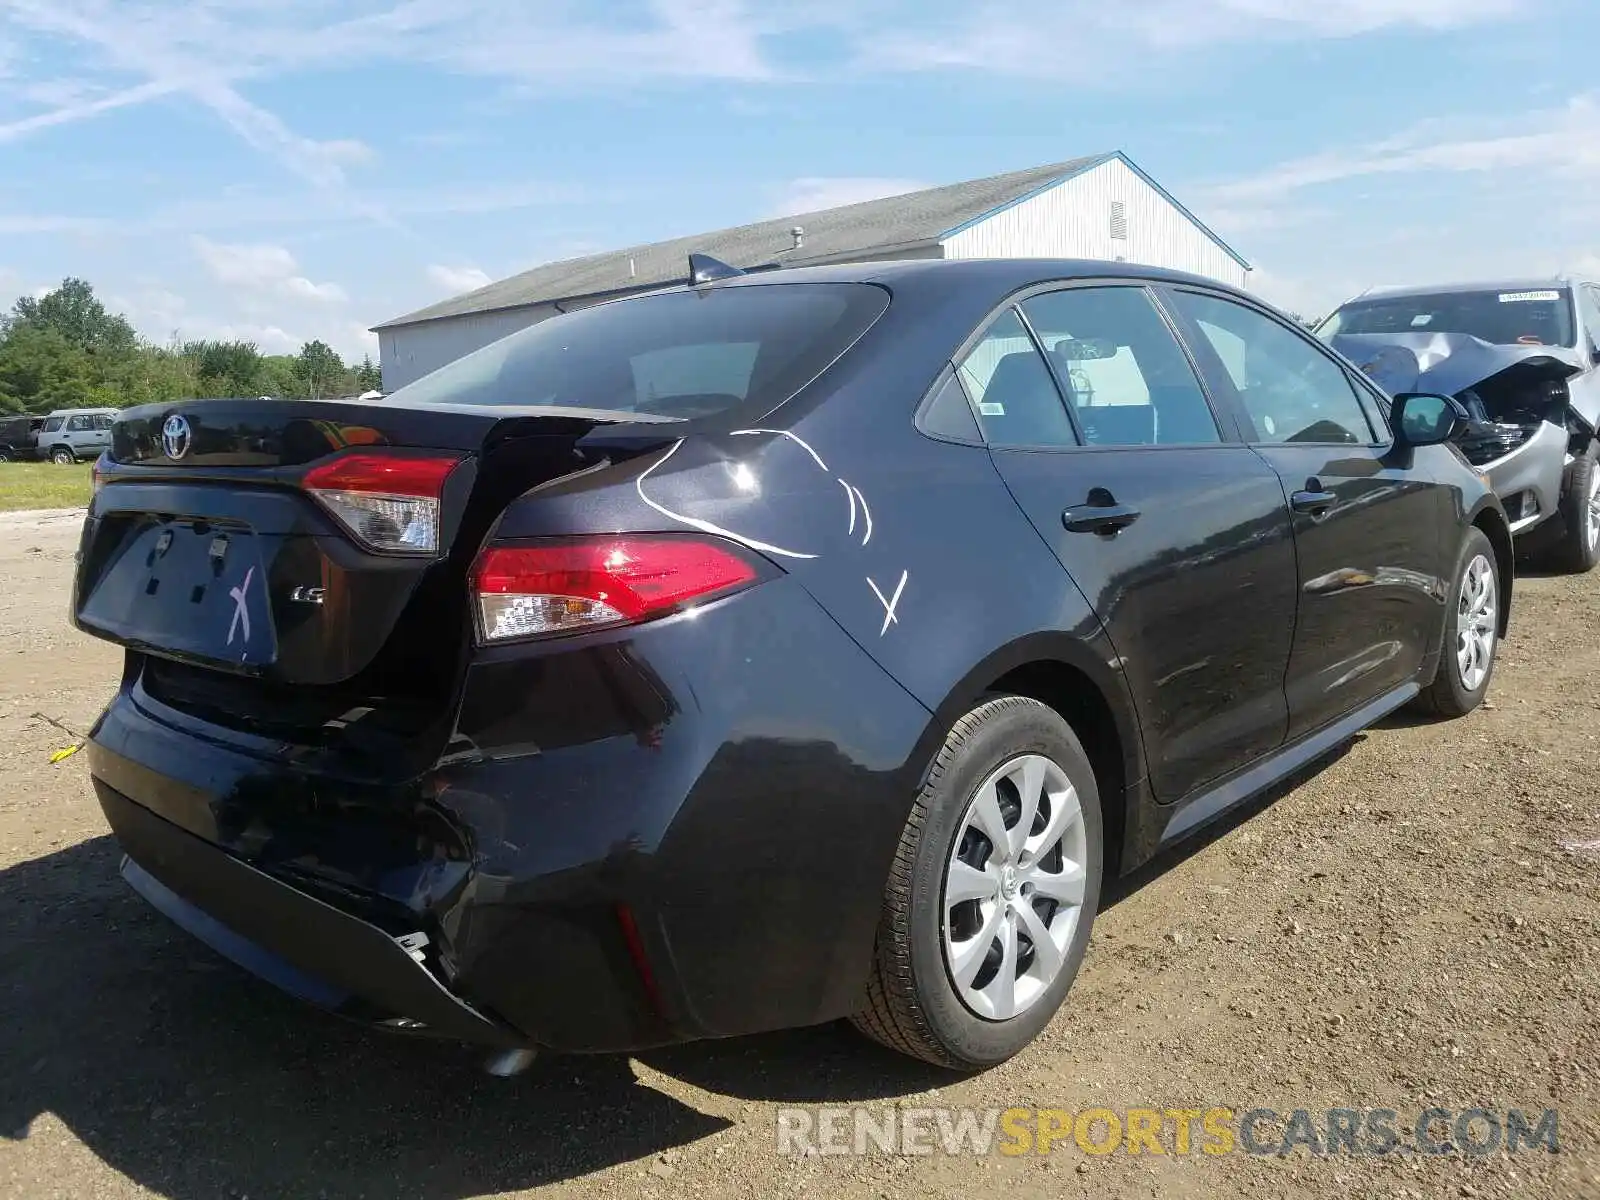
(1492, 522)
(1088, 691)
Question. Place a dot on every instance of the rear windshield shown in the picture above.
(1533, 317)
(681, 354)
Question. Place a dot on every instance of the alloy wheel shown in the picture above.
(1014, 886)
(1477, 623)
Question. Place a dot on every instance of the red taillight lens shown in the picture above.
(388, 501)
(560, 587)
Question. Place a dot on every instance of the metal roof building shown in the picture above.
(1102, 206)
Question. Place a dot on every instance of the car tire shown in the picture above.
(1579, 548)
(914, 1002)
(1471, 624)
(63, 457)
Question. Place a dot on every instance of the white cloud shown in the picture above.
(26, 223)
(12, 130)
(269, 339)
(1445, 200)
(206, 50)
(243, 208)
(1095, 41)
(1563, 141)
(163, 315)
(355, 341)
(263, 269)
(459, 279)
(818, 192)
(346, 152)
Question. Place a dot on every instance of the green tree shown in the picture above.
(280, 376)
(73, 311)
(225, 368)
(368, 376)
(66, 350)
(40, 370)
(320, 369)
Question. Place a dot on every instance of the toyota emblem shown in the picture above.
(175, 436)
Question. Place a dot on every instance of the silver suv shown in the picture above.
(71, 435)
(1523, 358)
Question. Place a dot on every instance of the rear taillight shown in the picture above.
(562, 587)
(389, 502)
(96, 475)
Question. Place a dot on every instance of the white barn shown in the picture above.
(1102, 206)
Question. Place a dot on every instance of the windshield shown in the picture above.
(677, 354)
(1538, 317)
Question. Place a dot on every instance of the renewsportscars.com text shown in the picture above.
(1475, 1132)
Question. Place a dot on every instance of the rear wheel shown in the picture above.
(63, 457)
(993, 891)
(1471, 636)
(1579, 548)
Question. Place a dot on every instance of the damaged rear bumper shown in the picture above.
(606, 858)
(309, 949)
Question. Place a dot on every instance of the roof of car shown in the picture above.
(998, 274)
(1504, 284)
(79, 412)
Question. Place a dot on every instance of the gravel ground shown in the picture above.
(1412, 925)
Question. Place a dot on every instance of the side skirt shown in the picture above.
(1159, 826)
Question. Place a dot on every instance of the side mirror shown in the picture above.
(1424, 419)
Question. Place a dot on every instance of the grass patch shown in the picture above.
(43, 485)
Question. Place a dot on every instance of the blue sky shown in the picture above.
(285, 169)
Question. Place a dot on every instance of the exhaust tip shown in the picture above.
(509, 1063)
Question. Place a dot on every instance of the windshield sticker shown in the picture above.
(1520, 297)
(1421, 319)
(990, 409)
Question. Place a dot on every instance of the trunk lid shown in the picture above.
(249, 598)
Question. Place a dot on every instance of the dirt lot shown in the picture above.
(1413, 925)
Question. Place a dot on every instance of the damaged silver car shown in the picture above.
(1523, 359)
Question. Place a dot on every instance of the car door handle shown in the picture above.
(1315, 503)
(1099, 518)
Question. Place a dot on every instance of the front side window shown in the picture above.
(1502, 317)
(51, 425)
(1016, 400)
(1291, 391)
(682, 354)
(1128, 379)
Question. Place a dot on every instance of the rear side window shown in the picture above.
(681, 354)
(949, 415)
(1011, 389)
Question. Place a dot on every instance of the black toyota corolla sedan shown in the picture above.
(765, 650)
